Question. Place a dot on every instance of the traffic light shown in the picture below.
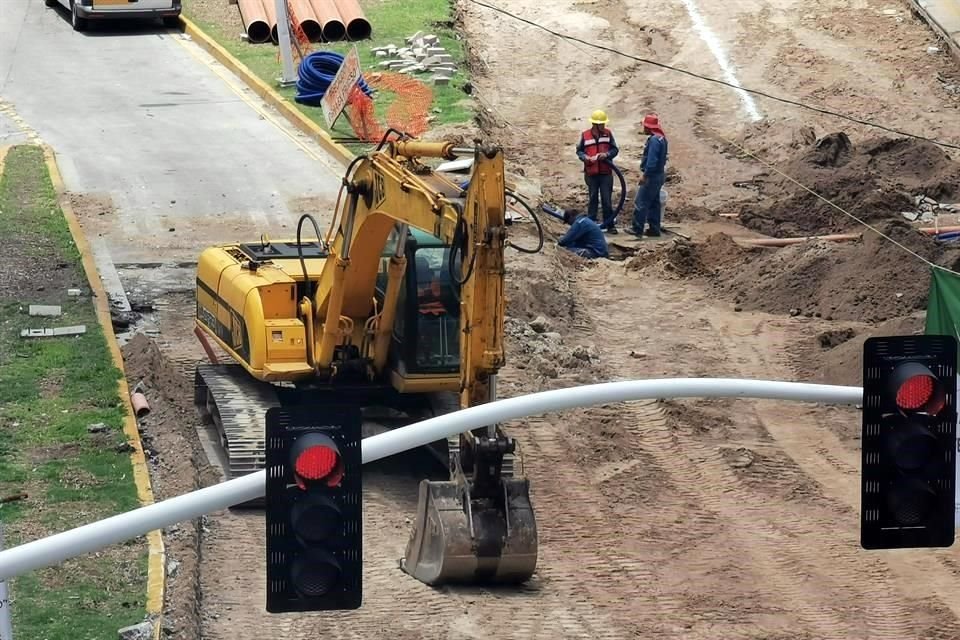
(909, 442)
(313, 508)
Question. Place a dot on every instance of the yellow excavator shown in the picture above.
(400, 309)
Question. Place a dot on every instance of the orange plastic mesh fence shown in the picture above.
(299, 43)
(408, 112)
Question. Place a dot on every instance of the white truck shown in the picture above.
(82, 11)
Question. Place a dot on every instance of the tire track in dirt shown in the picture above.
(783, 547)
(818, 450)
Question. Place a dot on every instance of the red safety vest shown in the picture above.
(593, 147)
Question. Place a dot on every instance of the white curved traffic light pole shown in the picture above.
(97, 535)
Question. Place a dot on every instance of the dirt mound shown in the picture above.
(177, 465)
(874, 180)
(534, 293)
(870, 280)
(144, 362)
(837, 356)
(538, 348)
(686, 259)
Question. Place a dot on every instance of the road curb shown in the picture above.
(943, 16)
(268, 93)
(156, 569)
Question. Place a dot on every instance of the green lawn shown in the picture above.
(51, 389)
(392, 22)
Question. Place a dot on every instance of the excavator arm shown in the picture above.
(479, 525)
(316, 318)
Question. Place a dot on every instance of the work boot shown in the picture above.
(611, 230)
(650, 233)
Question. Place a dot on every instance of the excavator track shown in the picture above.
(236, 404)
(226, 396)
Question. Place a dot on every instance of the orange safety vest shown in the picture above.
(596, 146)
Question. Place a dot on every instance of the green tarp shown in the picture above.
(943, 304)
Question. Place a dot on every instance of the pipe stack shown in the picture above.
(320, 20)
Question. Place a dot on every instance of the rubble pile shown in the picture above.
(423, 54)
(540, 349)
(874, 180)
(927, 209)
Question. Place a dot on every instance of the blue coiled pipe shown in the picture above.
(317, 71)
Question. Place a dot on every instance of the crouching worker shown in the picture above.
(584, 237)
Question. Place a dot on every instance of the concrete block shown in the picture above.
(75, 330)
(142, 631)
(380, 54)
(441, 80)
(431, 39)
(414, 37)
(73, 292)
(45, 310)
(445, 57)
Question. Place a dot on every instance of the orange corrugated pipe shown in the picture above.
(255, 20)
(329, 18)
(358, 27)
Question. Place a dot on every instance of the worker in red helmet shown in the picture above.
(597, 149)
(646, 205)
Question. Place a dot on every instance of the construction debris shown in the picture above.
(74, 330)
(423, 54)
(45, 310)
(928, 209)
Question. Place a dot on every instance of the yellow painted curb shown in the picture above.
(268, 93)
(156, 569)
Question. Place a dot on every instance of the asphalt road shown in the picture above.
(166, 151)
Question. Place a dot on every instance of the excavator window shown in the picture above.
(426, 333)
(437, 313)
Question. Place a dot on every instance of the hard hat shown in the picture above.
(598, 117)
(651, 121)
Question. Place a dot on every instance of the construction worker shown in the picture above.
(584, 237)
(596, 150)
(646, 206)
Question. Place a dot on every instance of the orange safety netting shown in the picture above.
(408, 112)
(299, 43)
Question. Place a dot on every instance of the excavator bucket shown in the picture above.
(457, 539)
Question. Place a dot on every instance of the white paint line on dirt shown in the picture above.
(716, 49)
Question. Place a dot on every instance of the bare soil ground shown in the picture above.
(667, 519)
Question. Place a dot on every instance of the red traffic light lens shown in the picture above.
(916, 388)
(316, 459)
(915, 392)
(316, 463)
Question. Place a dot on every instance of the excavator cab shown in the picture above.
(425, 348)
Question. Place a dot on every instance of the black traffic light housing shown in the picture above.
(313, 508)
(909, 442)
